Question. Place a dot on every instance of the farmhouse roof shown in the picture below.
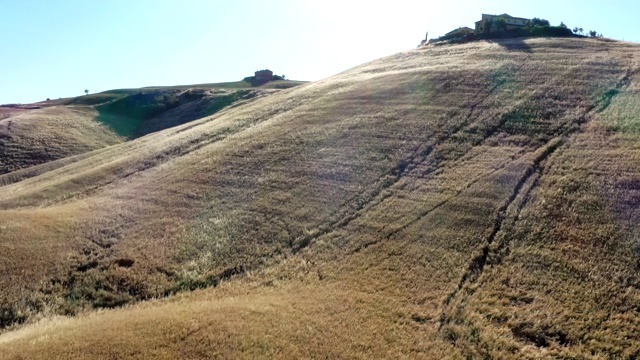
(459, 30)
(507, 16)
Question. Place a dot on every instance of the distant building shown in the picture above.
(264, 75)
(511, 22)
(459, 32)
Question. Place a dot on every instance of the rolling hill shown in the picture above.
(458, 201)
(50, 130)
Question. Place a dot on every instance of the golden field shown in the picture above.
(456, 201)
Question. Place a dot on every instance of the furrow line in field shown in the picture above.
(519, 197)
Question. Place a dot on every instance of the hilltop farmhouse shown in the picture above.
(264, 75)
(511, 22)
(502, 26)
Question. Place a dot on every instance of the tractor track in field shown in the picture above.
(509, 213)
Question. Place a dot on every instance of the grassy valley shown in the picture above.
(475, 200)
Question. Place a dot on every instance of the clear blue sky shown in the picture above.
(60, 48)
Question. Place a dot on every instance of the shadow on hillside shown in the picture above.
(136, 115)
(513, 44)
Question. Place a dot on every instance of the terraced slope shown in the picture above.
(466, 201)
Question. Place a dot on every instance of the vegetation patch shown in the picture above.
(126, 115)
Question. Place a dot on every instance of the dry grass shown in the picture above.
(296, 320)
(34, 137)
(63, 128)
(474, 200)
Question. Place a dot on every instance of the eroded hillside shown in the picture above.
(474, 200)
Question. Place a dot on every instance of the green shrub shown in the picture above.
(142, 106)
(107, 299)
(9, 315)
(539, 22)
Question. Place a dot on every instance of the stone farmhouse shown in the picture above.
(264, 75)
(511, 21)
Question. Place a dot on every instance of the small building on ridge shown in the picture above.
(511, 22)
(264, 76)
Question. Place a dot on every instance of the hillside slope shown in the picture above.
(37, 136)
(59, 129)
(473, 200)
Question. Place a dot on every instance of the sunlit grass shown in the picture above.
(448, 202)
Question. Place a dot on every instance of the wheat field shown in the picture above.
(458, 201)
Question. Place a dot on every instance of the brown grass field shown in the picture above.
(43, 132)
(475, 201)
